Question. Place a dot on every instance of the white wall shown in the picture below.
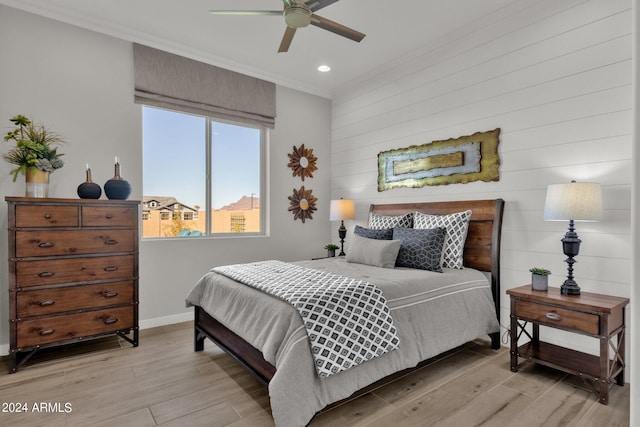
(555, 76)
(80, 84)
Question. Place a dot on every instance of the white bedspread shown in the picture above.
(433, 312)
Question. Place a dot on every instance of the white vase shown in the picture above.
(37, 183)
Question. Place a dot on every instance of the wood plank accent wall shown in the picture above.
(555, 76)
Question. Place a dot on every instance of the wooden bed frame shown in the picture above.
(481, 251)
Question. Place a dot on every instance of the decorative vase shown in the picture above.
(539, 282)
(37, 183)
(89, 189)
(117, 188)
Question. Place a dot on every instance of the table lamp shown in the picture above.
(576, 201)
(340, 210)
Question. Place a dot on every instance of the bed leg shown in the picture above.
(198, 340)
(495, 340)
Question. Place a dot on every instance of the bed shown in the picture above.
(433, 312)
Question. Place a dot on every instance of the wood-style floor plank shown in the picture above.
(164, 382)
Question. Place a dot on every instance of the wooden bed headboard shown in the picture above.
(482, 247)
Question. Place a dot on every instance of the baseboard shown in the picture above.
(144, 324)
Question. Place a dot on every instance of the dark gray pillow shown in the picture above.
(369, 233)
(421, 248)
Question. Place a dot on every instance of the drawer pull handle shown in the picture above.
(109, 294)
(553, 316)
(111, 268)
(46, 332)
(45, 245)
(108, 216)
(47, 216)
(47, 303)
(110, 320)
(110, 242)
(46, 274)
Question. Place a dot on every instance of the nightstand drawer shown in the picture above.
(108, 216)
(68, 327)
(558, 317)
(58, 300)
(46, 216)
(73, 270)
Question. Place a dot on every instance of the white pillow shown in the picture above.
(377, 221)
(379, 253)
(457, 226)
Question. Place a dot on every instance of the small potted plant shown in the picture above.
(331, 249)
(34, 154)
(539, 278)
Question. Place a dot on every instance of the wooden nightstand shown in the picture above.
(595, 315)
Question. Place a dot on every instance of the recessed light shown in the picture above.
(324, 68)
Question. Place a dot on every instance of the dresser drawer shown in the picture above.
(61, 328)
(46, 216)
(58, 300)
(104, 216)
(71, 242)
(72, 270)
(558, 317)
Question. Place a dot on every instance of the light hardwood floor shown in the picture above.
(164, 382)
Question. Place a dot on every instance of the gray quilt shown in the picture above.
(433, 312)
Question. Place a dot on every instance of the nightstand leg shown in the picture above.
(514, 337)
(621, 339)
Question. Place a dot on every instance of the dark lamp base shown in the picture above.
(570, 288)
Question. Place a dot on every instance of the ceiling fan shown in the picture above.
(299, 14)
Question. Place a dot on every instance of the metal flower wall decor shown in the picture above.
(302, 162)
(302, 203)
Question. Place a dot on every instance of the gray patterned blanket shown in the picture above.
(347, 320)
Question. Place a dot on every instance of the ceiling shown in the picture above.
(249, 44)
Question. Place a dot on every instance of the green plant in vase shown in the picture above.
(35, 147)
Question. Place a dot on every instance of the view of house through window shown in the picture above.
(184, 156)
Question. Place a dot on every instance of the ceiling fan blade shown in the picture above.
(246, 12)
(336, 28)
(286, 39)
(315, 5)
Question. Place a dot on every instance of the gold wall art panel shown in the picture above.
(452, 161)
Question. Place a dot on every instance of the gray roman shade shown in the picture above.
(174, 82)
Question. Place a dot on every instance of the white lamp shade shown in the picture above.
(341, 209)
(579, 201)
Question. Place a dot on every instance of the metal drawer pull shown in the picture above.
(110, 242)
(108, 216)
(47, 216)
(45, 245)
(110, 268)
(109, 294)
(47, 303)
(46, 274)
(553, 316)
(110, 320)
(45, 332)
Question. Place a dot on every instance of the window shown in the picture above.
(201, 175)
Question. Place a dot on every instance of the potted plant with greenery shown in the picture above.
(331, 249)
(539, 278)
(35, 154)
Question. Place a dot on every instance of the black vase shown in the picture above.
(117, 188)
(89, 189)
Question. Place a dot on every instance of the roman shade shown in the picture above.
(174, 82)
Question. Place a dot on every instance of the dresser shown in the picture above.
(599, 316)
(73, 272)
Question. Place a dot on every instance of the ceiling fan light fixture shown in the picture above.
(297, 16)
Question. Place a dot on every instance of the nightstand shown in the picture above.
(595, 315)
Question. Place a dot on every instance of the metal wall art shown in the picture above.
(303, 162)
(302, 203)
(452, 161)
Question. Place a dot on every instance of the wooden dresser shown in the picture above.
(73, 272)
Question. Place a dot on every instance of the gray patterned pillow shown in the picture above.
(420, 248)
(457, 225)
(377, 222)
(379, 253)
(381, 234)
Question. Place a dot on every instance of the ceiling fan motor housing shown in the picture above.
(297, 15)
